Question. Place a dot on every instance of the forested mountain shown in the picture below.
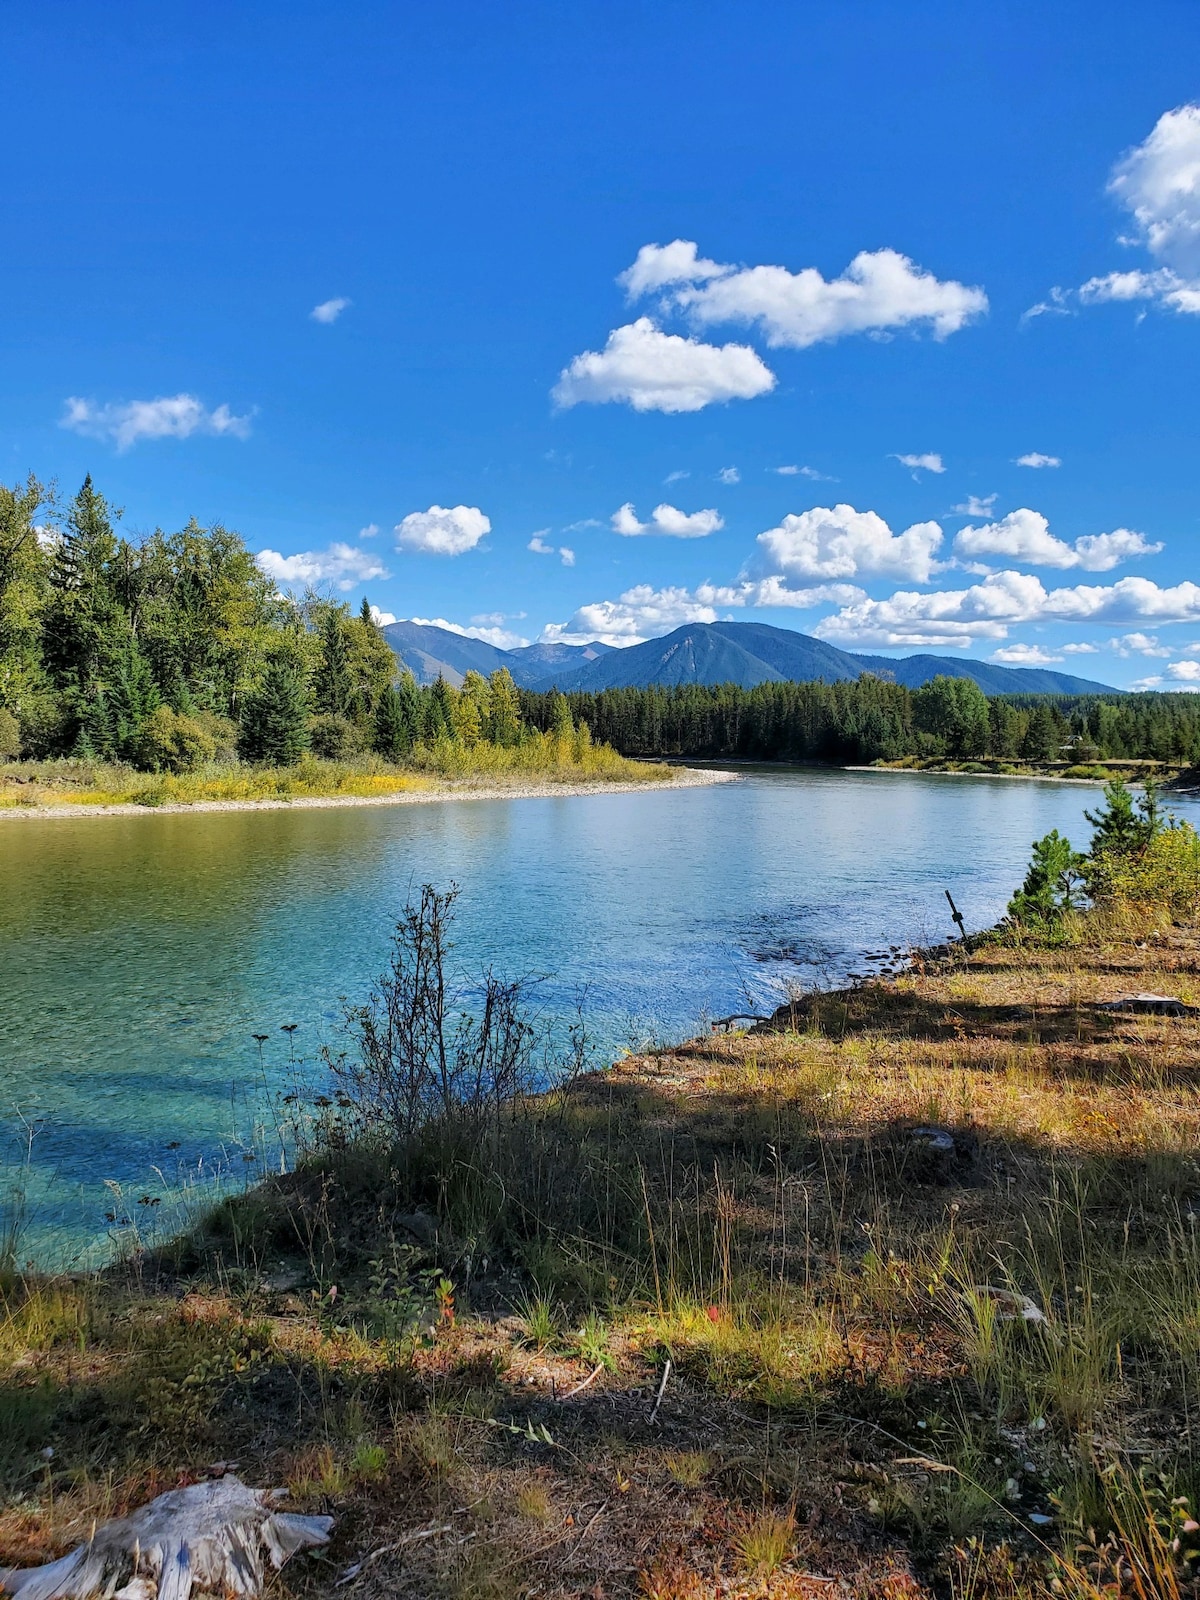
(742, 653)
(430, 653)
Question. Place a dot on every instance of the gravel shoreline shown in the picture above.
(467, 789)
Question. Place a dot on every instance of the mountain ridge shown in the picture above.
(743, 653)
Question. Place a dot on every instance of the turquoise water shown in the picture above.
(138, 955)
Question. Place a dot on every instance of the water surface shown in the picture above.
(138, 955)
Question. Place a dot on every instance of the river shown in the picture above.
(139, 955)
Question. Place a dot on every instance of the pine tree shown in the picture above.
(134, 699)
(333, 686)
(274, 724)
(393, 728)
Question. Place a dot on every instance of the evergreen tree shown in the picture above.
(562, 724)
(1043, 740)
(1050, 884)
(333, 687)
(134, 700)
(274, 722)
(393, 736)
(83, 621)
(504, 709)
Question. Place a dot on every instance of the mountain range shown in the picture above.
(743, 653)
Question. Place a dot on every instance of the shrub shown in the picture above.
(10, 735)
(170, 742)
(1164, 875)
(334, 737)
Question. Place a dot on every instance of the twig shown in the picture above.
(389, 1549)
(580, 1387)
(662, 1389)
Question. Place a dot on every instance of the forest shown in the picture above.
(172, 651)
(870, 719)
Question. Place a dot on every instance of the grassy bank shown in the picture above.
(1166, 773)
(903, 1363)
(538, 757)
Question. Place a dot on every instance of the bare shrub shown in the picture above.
(428, 1049)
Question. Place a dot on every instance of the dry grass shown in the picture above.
(853, 1408)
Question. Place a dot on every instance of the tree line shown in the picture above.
(870, 719)
(173, 650)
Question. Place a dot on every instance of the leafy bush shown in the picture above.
(334, 737)
(1164, 875)
(168, 741)
(10, 735)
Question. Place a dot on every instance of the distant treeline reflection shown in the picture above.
(870, 719)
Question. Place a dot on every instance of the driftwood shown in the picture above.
(212, 1537)
(1157, 1005)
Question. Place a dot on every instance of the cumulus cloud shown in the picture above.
(1035, 458)
(330, 310)
(667, 520)
(650, 370)
(540, 548)
(341, 564)
(370, 531)
(1140, 644)
(1158, 183)
(929, 462)
(840, 542)
(987, 610)
(1083, 648)
(381, 619)
(976, 506)
(644, 612)
(442, 530)
(1184, 671)
(879, 291)
(501, 637)
(125, 423)
(1024, 655)
(729, 475)
(1024, 535)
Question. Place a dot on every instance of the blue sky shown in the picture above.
(961, 235)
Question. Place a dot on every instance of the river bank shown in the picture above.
(895, 1297)
(408, 790)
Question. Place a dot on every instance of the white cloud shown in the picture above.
(987, 610)
(381, 618)
(442, 530)
(1184, 671)
(667, 520)
(676, 477)
(976, 506)
(369, 532)
(1035, 458)
(330, 310)
(644, 612)
(340, 564)
(1158, 183)
(1140, 644)
(930, 462)
(803, 472)
(1024, 655)
(729, 475)
(840, 542)
(1024, 535)
(879, 291)
(540, 548)
(656, 371)
(785, 472)
(502, 638)
(1081, 649)
(177, 416)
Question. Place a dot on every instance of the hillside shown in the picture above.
(744, 653)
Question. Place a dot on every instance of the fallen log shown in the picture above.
(1158, 1005)
(214, 1538)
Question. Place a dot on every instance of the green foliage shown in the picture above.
(1051, 885)
(397, 718)
(954, 712)
(334, 738)
(10, 735)
(274, 722)
(332, 687)
(1123, 825)
(171, 742)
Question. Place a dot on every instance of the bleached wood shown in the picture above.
(210, 1538)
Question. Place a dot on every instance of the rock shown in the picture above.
(1010, 1306)
(420, 1225)
(1158, 1005)
(935, 1155)
(212, 1536)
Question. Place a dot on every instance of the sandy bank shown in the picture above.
(444, 789)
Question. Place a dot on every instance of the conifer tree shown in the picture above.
(274, 722)
(393, 728)
(333, 687)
